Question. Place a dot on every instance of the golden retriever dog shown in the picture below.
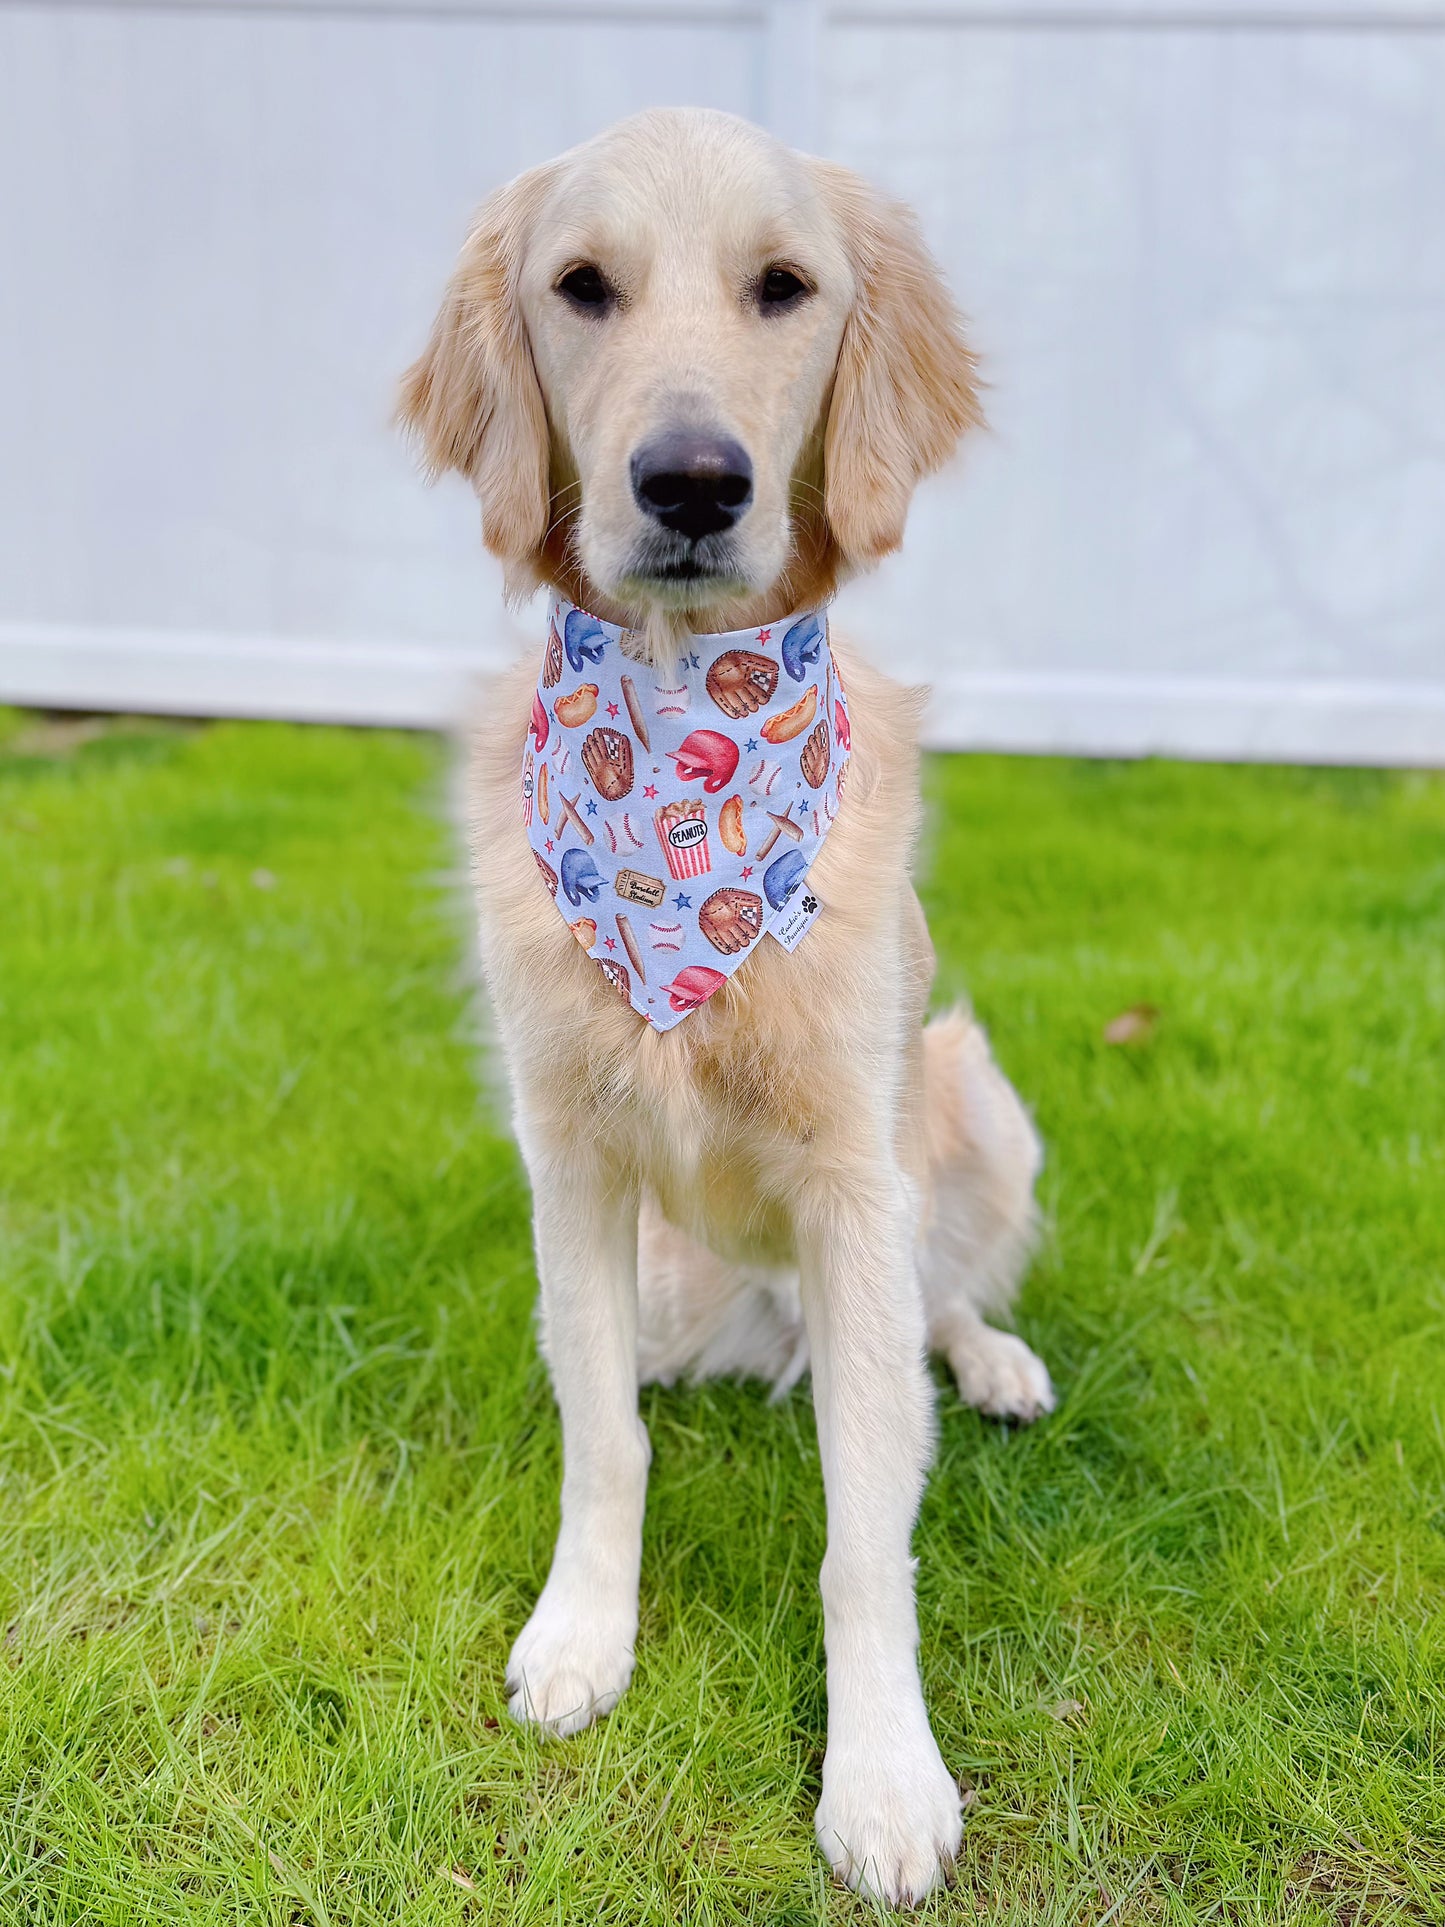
(694, 378)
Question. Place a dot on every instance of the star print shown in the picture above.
(747, 871)
(752, 745)
(765, 635)
(682, 665)
(612, 709)
(591, 808)
(694, 661)
(549, 846)
(649, 789)
(611, 942)
(680, 902)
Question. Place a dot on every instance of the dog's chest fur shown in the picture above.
(773, 1083)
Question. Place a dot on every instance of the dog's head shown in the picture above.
(683, 366)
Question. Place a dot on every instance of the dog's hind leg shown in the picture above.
(983, 1156)
(702, 1316)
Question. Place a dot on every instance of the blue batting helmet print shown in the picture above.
(801, 646)
(584, 639)
(580, 877)
(780, 879)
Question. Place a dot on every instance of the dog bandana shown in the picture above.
(674, 813)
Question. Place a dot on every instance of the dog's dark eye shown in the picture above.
(585, 286)
(779, 287)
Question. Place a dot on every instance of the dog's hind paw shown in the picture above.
(1001, 1376)
(890, 1819)
(568, 1667)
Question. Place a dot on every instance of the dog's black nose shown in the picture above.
(694, 483)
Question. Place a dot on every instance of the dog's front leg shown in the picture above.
(889, 1819)
(573, 1659)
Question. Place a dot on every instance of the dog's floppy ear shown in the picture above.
(905, 388)
(472, 400)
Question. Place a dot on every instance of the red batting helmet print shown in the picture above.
(708, 755)
(693, 986)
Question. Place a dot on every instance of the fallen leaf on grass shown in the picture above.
(1066, 1709)
(1132, 1026)
(59, 735)
(461, 1878)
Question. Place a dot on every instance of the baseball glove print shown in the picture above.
(814, 761)
(607, 758)
(616, 977)
(552, 662)
(740, 682)
(730, 919)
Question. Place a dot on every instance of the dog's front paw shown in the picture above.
(571, 1664)
(1001, 1376)
(890, 1818)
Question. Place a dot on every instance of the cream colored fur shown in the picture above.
(800, 1174)
(704, 1317)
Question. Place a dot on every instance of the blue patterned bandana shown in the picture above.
(674, 814)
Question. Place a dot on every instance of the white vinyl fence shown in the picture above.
(1203, 247)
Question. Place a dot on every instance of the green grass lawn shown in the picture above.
(278, 1461)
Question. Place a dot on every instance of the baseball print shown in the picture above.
(703, 789)
(621, 833)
